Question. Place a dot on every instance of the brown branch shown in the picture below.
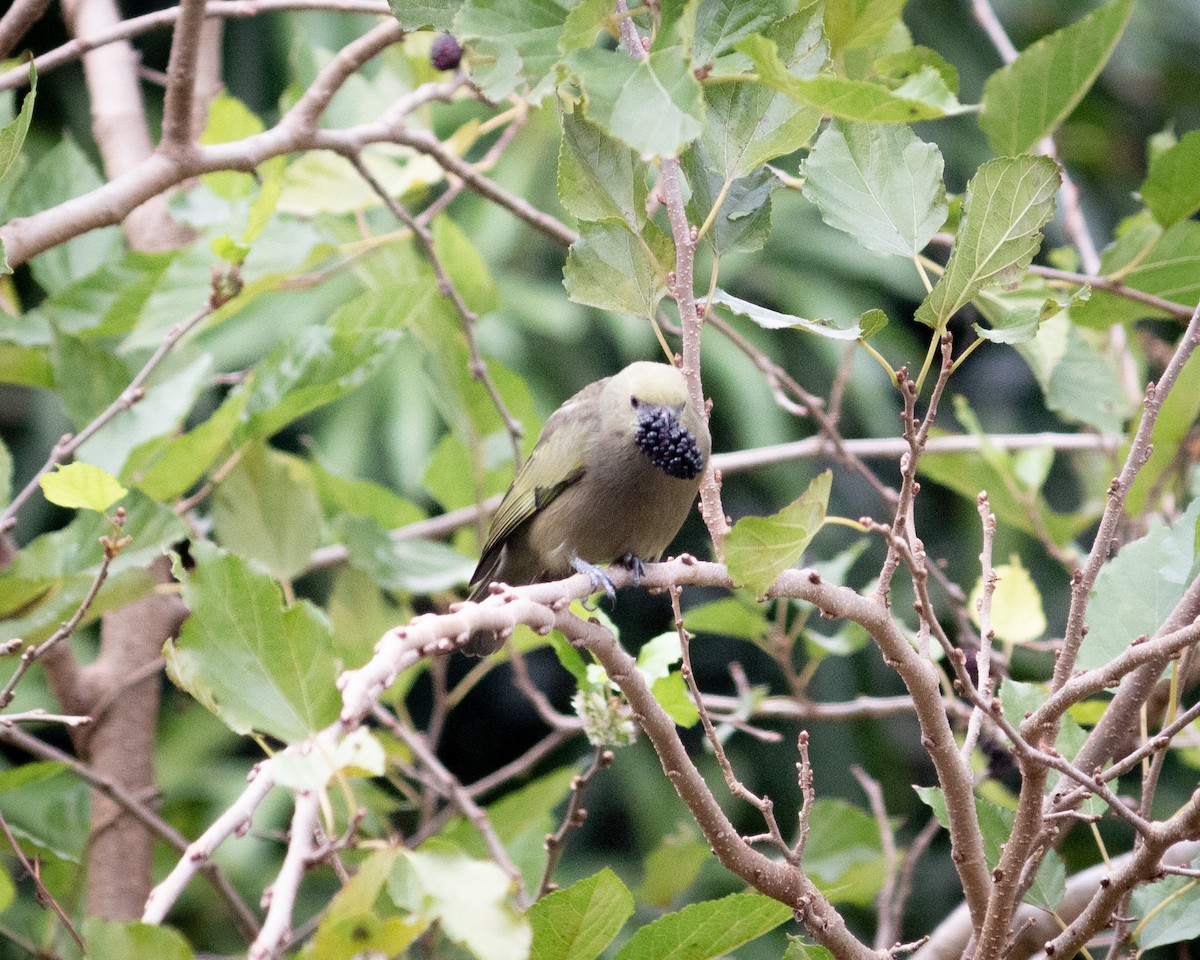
(777, 879)
(16, 78)
(177, 133)
(764, 804)
(16, 22)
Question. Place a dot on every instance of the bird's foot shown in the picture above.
(635, 566)
(600, 580)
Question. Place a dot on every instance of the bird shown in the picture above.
(611, 478)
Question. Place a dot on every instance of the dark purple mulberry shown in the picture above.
(445, 53)
(669, 444)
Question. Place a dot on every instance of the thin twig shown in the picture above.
(891, 860)
(44, 895)
(983, 660)
(458, 795)
(1139, 452)
(764, 805)
(447, 288)
(573, 818)
(112, 547)
(224, 288)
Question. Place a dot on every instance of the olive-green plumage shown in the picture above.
(612, 477)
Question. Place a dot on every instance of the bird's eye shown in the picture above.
(635, 402)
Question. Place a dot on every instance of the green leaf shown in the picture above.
(995, 822)
(1027, 99)
(64, 172)
(1138, 587)
(253, 663)
(229, 119)
(1172, 188)
(165, 471)
(467, 269)
(12, 137)
(1171, 908)
(159, 412)
(758, 549)
(319, 364)
(743, 220)
(672, 866)
(88, 377)
(50, 577)
(266, 510)
(708, 929)
(1168, 266)
(924, 97)
(1176, 418)
(362, 498)
(6, 472)
(1016, 608)
(351, 928)
(871, 323)
(425, 14)
(880, 184)
(110, 940)
(515, 46)
(969, 473)
(322, 182)
(1008, 201)
(734, 616)
(411, 565)
(721, 23)
(599, 178)
(797, 949)
(852, 24)
(81, 486)
(1050, 884)
(579, 922)
(583, 23)
(612, 269)
(658, 655)
(1084, 386)
(843, 854)
(469, 898)
(655, 104)
(672, 695)
(109, 301)
(8, 892)
(772, 320)
(749, 123)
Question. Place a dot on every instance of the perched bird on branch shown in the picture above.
(612, 478)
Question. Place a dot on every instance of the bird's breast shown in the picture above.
(623, 504)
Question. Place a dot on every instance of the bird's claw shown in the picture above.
(636, 568)
(599, 580)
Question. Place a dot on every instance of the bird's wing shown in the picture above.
(555, 464)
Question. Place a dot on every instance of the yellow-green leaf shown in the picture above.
(1017, 615)
(760, 548)
(82, 486)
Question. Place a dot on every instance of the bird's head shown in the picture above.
(665, 425)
